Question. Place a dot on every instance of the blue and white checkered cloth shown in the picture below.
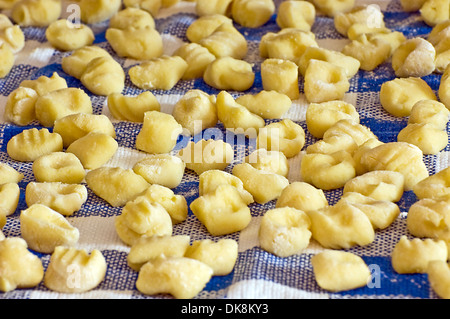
(257, 273)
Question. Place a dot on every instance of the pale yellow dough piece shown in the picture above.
(287, 44)
(175, 205)
(427, 137)
(103, 76)
(143, 43)
(381, 213)
(9, 175)
(150, 248)
(33, 143)
(36, 13)
(328, 171)
(58, 167)
(162, 169)
(227, 73)
(284, 136)
(414, 58)
(161, 73)
(211, 179)
(281, 76)
(321, 116)
(413, 256)
(252, 13)
(222, 211)
(226, 41)
(12, 37)
(302, 196)
(267, 104)
(76, 63)
(44, 229)
(333, 7)
(359, 152)
(75, 126)
(370, 52)
(340, 271)
(66, 199)
(263, 185)
(379, 184)
(434, 12)
(132, 108)
(284, 231)
(96, 11)
(430, 112)
(206, 155)
(434, 186)
(197, 57)
(237, 117)
(183, 278)
(368, 15)
(341, 226)
(44, 84)
(9, 198)
(350, 64)
(439, 277)
(94, 149)
(205, 25)
(132, 17)
(116, 185)
(296, 14)
(439, 33)
(20, 106)
(398, 96)
(159, 133)
(196, 111)
(401, 157)
(270, 161)
(443, 92)
(142, 218)
(429, 218)
(65, 35)
(60, 103)
(19, 267)
(325, 81)
(7, 59)
(90, 270)
(220, 255)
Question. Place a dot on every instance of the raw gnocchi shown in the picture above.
(90, 270)
(162, 169)
(284, 231)
(64, 35)
(20, 268)
(159, 133)
(220, 255)
(340, 271)
(161, 73)
(58, 167)
(64, 198)
(132, 108)
(205, 155)
(32, 143)
(413, 256)
(228, 73)
(44, 229)
(116, 185)
(281, 76)
(222, 211)
(94, 149)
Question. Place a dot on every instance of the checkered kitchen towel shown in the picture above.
(257, 273)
